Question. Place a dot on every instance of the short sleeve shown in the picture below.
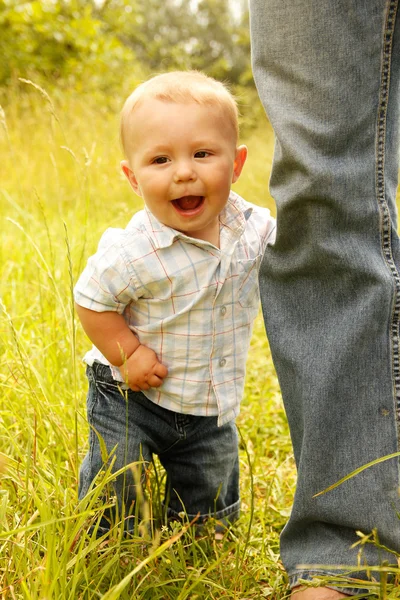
(270, 230)
(265, 225)
(107, 282)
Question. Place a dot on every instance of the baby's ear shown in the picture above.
(129, 174)
(240, 159)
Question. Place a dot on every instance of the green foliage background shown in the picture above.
(108, 46)
(65, 70)
(66, 67)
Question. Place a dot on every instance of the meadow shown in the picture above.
(61, 186)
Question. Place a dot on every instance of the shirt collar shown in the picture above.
(233, 217)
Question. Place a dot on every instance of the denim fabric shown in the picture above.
(328, 73)
(200, 458)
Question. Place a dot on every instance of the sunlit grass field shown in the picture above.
(61, 186)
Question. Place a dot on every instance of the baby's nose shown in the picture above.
(184, 171)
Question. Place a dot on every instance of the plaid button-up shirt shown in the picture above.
(192, 303)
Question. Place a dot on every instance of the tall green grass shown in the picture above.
(61, 186)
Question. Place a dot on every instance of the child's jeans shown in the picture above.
(200, 458)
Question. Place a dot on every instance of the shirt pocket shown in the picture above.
(248, 290)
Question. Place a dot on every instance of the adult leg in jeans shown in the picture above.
(328, 74)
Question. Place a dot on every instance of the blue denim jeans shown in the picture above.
(200, 458)
(328, 74)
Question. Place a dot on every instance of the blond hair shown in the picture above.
(180, 87)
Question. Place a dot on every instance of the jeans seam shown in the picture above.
(92, 434)
(381, 197)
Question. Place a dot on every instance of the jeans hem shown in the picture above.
(224, 518)
(297, 578)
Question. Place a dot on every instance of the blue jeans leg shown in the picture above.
(118, 438)
(203, 471)
(200, 458)
(328, 73)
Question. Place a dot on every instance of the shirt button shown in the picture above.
(222, 362)
(223, 310)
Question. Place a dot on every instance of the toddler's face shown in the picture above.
(183, 162)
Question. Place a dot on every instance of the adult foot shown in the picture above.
(321, 593)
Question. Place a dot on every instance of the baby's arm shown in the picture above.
(109, 332)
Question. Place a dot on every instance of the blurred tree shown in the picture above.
(182, 34)
(59, 39)
(221, 47)
(96, 43)
(155, 31)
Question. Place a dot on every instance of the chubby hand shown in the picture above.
(142, 370)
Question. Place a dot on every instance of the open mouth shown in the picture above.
(188, 204)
